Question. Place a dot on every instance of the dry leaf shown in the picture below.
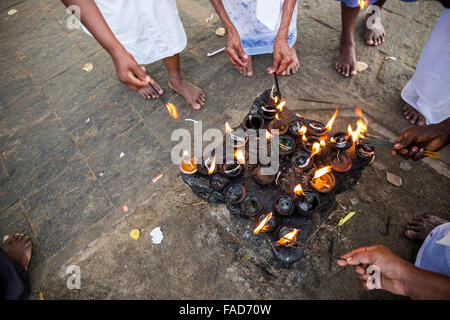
(220, 32)
(88, 67)
(361, 66)
(394, 179)
(12, 12)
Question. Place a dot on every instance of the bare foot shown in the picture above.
(194, 95)
(148, 92)
(293, 67)
(414, 116)
(375, 35)
(346, 59)
(18, 247)
(248, 69)
(420, 227)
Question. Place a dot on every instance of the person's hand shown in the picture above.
(234, 50)
(391, 267)
(129, 72)
(415, 140)
(282, 56)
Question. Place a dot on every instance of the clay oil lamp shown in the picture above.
(251, 206)
(302, 161)
(232, 169)
(278, 124)
(365, 151)
(287, 236)
(341, 141)
(284, 205)
(188, 165)
(298, 127)
(322, 180)
(265, 222)
(253, 121)
(308, 203)
(219, 181)
(270, 96)
(286, 145)
(316, 128)
(263, 179)
(208, 167)
(340, 161)
(308, 142)
(237, 139)
(235, 194)
(268, 111)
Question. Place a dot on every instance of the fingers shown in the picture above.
(235, 58)
(134, 82)
(275, 65)
(407, 137)
(283, 65)
(362, 255)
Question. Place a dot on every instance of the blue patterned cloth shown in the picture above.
(256, 38)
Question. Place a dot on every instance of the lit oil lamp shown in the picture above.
(236, 139)
(208, 167)
(298, 127)
(340, 161)
(278, 124)
(341, 141)
(322, 180)
(251, 206)
(284, 206)
(239, 156)
(287, 236)
(188, 164)
(308, 203)
(286, 145)
(265, 222)
(365, 151)
(235, 194)
(263, 179)
(268, 111)
(361, 128)
(232, 169)
(302, 161)
(308, 142)
(253, 121)
(331, 121)
(316, 128)
(270, 96)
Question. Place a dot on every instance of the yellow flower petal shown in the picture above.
(346, 218)
(134, 234)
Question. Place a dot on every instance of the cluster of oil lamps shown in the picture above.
(314, 136)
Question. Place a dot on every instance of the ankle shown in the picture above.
(347, 40)
(175, 79)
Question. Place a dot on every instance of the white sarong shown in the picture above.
(257, 22)
(428, 91)
(150, 30)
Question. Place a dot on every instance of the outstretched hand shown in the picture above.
(234, 50)
(415, 140)
(282, 57)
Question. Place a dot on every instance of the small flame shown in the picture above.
(268, 135)
(281, 106)
(315, 149)
(320, 172)
(239, 155)
(361, 128)
(275, 99)
(277, 117)
(298, 190)
(302, 130)
(332, 139)
(363, 3)
(212, 167)
(304, 138)
(289, 238)
(322, 142)
(358, 111)
(185, 154)
(263, 223)
(330, 122)
(227, 128)
(172, 110)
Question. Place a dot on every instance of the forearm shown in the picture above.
(286, 17)
(423, 284)
(223, 15)
(93, 20)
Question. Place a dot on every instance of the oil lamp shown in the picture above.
(263, 179)
(232, 168)
(286, 236)
(322, 180)
(298, 127)
(235, 194)
(302, 161)
(341, 141)
(308, 142)
(365, 151)
(286, 145)
(268, 111)
(188, 164)
(278, 124)
(218, 182)
(265, 222)
(340, 161)
(308, 203)
(270, 96)
(251, 206)
(316, 128)
(253, 121)
(208, 167)
(236, 139)
(284, 206)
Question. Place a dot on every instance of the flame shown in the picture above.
(302, 130)
(358, 111)
(304, 138)
(315, 149)
(277, 117)
(185, 154)
(322, 142)
(361, 128)
(227, 128)
(239, 155)
(334, 141)
(212, 167)
(281, 105)
(268, 135)
(320, 172)
(298, 190)
(330, 122)
(261, 226)
(172, 110)
(363, 3)
(288, 239)
(275, 99)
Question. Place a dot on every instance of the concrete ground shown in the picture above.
(63, 182)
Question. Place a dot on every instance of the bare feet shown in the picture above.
(293, 67)
(247, 70)
(346, 59)
(375, 35)
(420, 227)
(194, 95)
(18, 247)
(414, 116)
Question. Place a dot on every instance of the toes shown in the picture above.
(413, 119)
(19, 236)
(411, 234)
(370, 41)
(353, 70)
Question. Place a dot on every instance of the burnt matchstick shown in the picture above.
(170, 107)
(276, 84)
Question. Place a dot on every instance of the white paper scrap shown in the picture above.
(157, 235)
